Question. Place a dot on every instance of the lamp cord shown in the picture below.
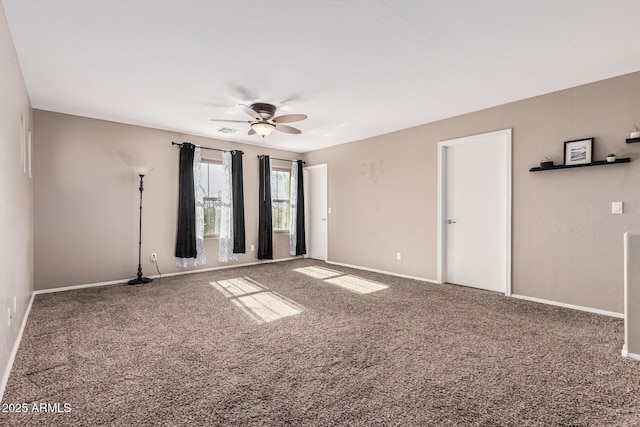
(157, 268)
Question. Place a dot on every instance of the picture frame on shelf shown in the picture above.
(578, 151)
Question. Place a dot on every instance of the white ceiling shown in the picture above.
(357, 68)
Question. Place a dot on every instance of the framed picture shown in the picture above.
(578, 152)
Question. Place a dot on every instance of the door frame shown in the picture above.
(307, 214)
(442, 191)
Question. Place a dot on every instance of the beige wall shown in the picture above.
(567, 247)
(87, 198)
(16, 200)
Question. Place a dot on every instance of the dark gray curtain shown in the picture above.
(238, 203)
(301, 245)
(265, 227)
(186, 238)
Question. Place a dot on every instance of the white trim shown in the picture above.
(625, 307)
(422, 279)
(324, 168)
(442, 173)
(316, 166)
(633, 356)
(14, 350)
(226, 267)
(74, 287)
(571, 306)
(178, 273)
(441, 240)
(509, 183)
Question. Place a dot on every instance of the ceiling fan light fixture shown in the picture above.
(263, 121)
(263, 128)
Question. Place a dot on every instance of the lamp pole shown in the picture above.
(140, 279)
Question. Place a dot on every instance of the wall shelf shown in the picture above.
(596, 163)
(630, 140)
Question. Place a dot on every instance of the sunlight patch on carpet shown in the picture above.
(357, 284)
(266, 306)
(318, 272)
(238, 287)
(256, 300)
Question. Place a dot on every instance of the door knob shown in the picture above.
(323, 219)
(451, 221)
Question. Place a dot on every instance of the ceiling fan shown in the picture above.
(263, 122)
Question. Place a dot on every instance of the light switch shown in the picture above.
(616, 207)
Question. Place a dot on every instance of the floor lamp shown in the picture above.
(141, 171)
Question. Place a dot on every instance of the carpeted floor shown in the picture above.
(180, 351)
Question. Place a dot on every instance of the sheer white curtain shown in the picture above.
(293, 202)
(201, 257)
(225, 253)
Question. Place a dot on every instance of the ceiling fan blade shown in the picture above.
(251, 132)
(250, 112)
(231, 121)
(289, 118)
(287, 129)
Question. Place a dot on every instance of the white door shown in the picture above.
(475, 211)
(315, 211)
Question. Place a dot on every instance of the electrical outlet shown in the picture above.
(154, 257)
(398, 256)
(15, 304)
(253, 248)
(616, 208)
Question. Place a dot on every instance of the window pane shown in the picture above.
(212, 216)
(280, 215)
(216, 180)
(204, 178)
(211, 179)
(280, 181)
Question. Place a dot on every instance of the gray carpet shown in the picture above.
(180, 352)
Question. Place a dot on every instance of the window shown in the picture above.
(280, 183)
(211, 181)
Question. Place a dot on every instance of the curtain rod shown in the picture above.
(284, 160)
(207, 148)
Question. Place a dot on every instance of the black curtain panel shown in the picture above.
(238, 203)
(265, 227)
(301, 246)
(186, 238)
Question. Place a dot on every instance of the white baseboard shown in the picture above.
(178, 273)
(88, 285)
(225, 267)
(633, 356)
(14, 350)
(574, 307)
(422, 279)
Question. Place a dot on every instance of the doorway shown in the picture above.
(474, 214)
(315, 207)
